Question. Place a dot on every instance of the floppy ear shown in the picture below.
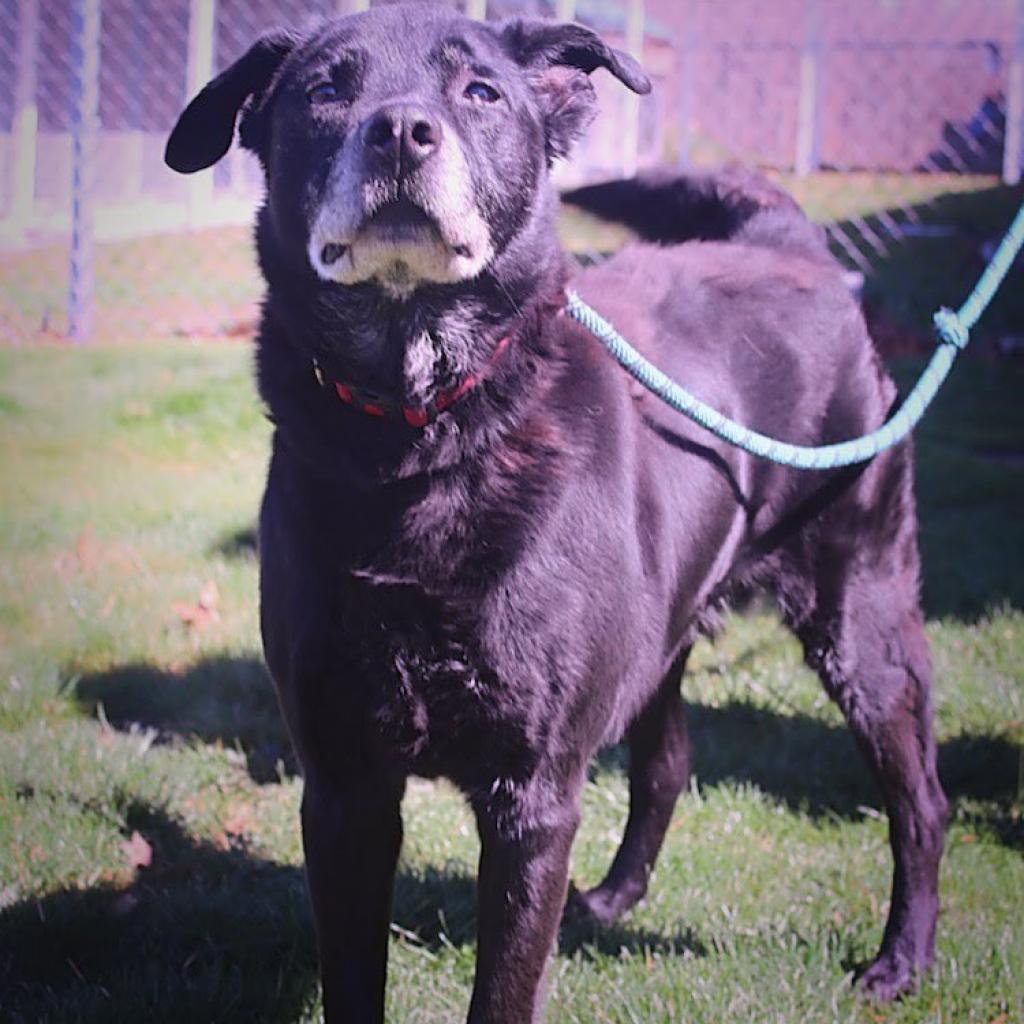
(206, 127)
(559, 56)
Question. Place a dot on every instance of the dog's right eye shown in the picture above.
(324, 92)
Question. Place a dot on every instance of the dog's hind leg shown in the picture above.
(659, 768)
(870, 650)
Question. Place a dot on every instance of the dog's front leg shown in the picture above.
(352, 832)
(524, 869)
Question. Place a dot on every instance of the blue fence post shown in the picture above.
(85, 115)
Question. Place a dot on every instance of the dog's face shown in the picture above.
(405, 145)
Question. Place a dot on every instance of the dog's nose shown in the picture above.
(401, 136)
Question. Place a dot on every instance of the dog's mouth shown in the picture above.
(400, 243)
(400, 221)
(403, 222)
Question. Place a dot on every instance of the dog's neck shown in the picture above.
(408, 350)
(413, 345)
(414, 490)
(341, 442)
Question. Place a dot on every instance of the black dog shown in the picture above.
(482, 556)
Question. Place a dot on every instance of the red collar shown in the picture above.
(376, 405)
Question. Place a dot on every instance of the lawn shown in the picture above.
(150, 863)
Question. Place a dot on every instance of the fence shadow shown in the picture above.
(941, 247)
(974, 145)
(970, 445)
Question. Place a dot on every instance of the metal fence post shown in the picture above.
(342, 7)
(85, 117)
(476, 9)
(565, 10)
(136, 57)
(631, 125)
(806, 159)
(686, 56)
(24, 130)
(1013, 146)
(202, 21)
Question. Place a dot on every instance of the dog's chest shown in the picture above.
(437, 701)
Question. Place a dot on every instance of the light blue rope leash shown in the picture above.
(952, 328)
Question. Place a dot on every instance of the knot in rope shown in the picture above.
(950, 328)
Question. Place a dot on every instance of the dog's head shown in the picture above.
(405, 145)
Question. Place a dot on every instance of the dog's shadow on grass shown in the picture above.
(226, 700)
(809, 764)
(203, 933)
(436, 908)
(815, 767)
(211, 933)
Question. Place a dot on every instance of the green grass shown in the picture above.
(131, 478)
(137, 721)
(838, 196)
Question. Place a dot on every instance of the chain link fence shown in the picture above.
(897, 123)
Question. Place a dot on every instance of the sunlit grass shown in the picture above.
(130, 722)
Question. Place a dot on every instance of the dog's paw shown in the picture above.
(888, 977)
(600, 905)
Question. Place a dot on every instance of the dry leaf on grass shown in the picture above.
(85, 547)
(239, 821)
(209, 596)
(137, 851)
(204, 611)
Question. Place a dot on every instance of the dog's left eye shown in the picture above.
(482, 92)
(325, 92)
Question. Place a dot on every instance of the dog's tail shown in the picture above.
(732, 204)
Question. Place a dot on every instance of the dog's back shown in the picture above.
(733, 292)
